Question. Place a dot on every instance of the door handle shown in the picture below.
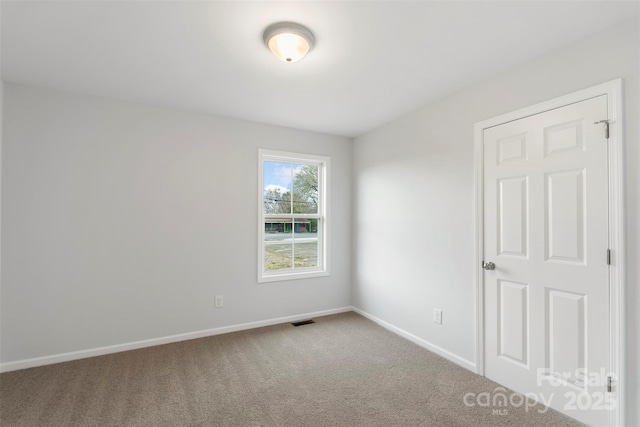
(488, 265)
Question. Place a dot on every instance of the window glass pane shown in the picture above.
(305, 248)
(306, 254)
(277, 179)
(277, 256)
(305, 189)
(278, 230)
(278, 248)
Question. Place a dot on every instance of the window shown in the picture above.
(293, 216)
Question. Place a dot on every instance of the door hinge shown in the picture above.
(609, 384)
(606, 127)
(608, 256)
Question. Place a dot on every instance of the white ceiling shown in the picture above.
(373, 61)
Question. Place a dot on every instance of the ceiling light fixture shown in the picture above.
(289, 41)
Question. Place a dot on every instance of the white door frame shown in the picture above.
(613, 90)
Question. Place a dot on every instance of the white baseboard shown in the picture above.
(419, 341)
(100, 351)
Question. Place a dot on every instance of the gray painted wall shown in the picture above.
(121, 222)
(414, 195)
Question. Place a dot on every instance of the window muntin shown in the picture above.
(293, 221)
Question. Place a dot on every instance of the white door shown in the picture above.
(546, 231)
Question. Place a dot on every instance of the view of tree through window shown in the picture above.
(291, 216)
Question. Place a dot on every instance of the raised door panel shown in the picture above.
(566, 337)
(513, 322)
(563, 137)
(565, 217)
(511, 148)
(512, 216)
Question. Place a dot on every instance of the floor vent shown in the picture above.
(303, 322)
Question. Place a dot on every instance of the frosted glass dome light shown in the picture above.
(288, 41)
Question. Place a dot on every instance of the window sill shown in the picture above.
(280, 277)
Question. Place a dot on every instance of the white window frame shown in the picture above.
(323, 208)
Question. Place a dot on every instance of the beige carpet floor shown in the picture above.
(343, 370)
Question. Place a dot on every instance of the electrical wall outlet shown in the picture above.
(219, 301)
(437, 316)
